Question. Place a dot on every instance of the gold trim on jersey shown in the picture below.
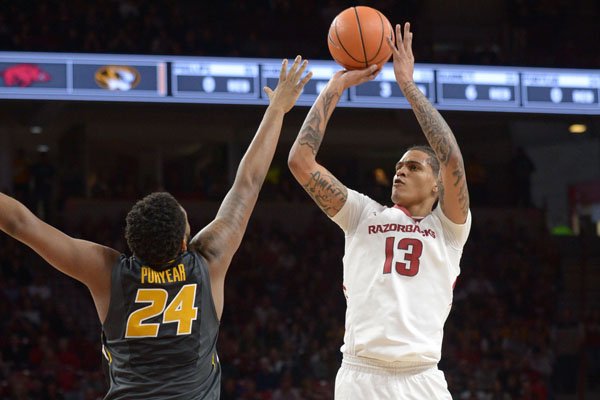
(106, 354)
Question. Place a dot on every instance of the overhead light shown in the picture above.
(43, 148)
(577, 128)
(35, 129)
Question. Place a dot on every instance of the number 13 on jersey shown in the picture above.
(409, 249)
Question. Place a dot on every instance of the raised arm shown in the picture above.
(220, 239)
(88, 262)
(454, 196)
(324, 188)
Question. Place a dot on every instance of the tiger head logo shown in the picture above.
(117, 77)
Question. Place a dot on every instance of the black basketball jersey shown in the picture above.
(160, 334)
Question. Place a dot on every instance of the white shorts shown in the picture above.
(369, 381)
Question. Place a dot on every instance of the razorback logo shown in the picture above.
(24, 75)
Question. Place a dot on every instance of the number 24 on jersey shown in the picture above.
(180, 310)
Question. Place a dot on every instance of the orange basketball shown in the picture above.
(357, 38)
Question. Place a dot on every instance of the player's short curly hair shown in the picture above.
(155, 228)
(432, 160)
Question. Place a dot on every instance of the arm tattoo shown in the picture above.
(436, 130)
(442, 140)
(312, 131)
(309, 136)
(329, 194)
(214, 241)
(461, 183)
(238, 211)
(329, 103)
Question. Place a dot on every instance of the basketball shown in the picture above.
(357, 38)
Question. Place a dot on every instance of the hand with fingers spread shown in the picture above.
(404, 61)
(290, 84)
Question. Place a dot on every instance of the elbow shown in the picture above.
(292, 161)
(10, 227)
(295, 167)
(302, 164)
(16, 222)
(301, 168)
(296, 163)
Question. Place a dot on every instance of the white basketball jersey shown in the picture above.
(399, 275)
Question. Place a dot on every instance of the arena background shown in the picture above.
(525, 322)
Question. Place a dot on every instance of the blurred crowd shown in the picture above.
(544, 33)
(44, 182)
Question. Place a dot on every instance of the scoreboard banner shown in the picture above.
(221, 80)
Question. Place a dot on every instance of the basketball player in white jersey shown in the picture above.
(400, 262)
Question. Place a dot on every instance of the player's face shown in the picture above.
(414, 181)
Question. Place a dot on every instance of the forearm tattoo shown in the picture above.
(329, 193)
(310, 135)
(313, 130)
(461, 183)
(440, 138)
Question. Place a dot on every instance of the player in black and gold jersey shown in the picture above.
(160, 308)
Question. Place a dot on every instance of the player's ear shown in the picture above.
(184, 245)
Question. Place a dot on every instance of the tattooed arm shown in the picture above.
(454, 196)
(220, 239)
(329, 193)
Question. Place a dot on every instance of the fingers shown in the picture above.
(365, 71)
(283, 71)
(305, 80)
(295, 71)
(268, 91)
(373, 70)
(338, 74)
(294, 68)
(407, 39)
(399, 44)
(370, 73)
(358, 76)
(377, 71)
(300, 71)
(293, 76)
(403, 40)
(390, 44)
